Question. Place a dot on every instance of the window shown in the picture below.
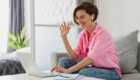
(52, 12)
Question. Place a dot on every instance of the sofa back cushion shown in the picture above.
(138, 57)
(126, 47)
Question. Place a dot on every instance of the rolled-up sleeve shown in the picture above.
(101, 46)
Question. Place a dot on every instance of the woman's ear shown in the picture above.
(92, 16)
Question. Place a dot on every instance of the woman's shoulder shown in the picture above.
(102, 31)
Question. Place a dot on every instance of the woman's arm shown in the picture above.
(85, 62)
(64, 31)
(70, 51)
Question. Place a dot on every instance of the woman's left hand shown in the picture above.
(60, 69)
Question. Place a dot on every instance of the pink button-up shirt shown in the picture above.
(99, 47)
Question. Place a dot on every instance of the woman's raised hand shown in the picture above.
(64, 29)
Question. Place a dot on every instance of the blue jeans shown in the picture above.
(103, 73)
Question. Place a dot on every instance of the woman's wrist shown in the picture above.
(68, 71)
(64, 36)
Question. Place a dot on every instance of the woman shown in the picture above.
(94, 44)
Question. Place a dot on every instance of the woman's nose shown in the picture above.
(80, 21)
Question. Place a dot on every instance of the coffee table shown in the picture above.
(23, 77)
(29, 77)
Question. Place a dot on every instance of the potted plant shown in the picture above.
(18, 41)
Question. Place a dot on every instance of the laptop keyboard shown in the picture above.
(45, 74)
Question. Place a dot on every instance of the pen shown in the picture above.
(64, 76)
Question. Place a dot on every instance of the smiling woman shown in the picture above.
(94, 44)
(4, 23)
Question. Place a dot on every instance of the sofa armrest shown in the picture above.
(55, 56)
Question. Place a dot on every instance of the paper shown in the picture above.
(72, 77)
(75, 77)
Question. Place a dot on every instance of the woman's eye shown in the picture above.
(76, 18)
(82, 17)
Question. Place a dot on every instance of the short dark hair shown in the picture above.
(89, 7)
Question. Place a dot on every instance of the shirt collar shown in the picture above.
(86, 36)
(94, 31)
(96, 28)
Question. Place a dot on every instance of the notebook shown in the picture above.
(66, 77)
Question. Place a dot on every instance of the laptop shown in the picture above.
(30, 67)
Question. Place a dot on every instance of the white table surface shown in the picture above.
(23, 77)
(29, 77)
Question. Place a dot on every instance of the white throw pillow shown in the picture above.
(127, 47)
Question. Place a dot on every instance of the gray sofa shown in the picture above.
(128, 49)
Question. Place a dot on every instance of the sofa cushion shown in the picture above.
(126, 47)
(138, 58)
(135, 76)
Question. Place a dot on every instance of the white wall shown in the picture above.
(119, 16)
(4, 24)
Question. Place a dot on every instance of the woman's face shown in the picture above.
(83, 18)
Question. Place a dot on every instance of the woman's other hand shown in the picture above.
(59, 69)
(64, 29)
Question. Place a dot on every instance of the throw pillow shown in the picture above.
(126, 47)
(138, 57)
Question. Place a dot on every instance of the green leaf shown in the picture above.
(18, 37)
(22, 45)
(22, 33)
(19, 41)
(13, 37)
(27, 42)
(18, 45)
(12, 45)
